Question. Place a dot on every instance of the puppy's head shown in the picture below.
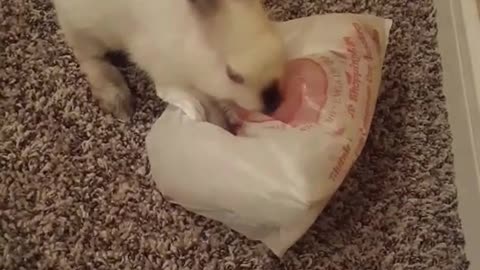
(258, 67)
(253, 53)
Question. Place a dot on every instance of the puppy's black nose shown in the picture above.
(271, 98)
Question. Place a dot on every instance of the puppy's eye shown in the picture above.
(234, 76)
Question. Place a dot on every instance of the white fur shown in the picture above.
(180, 49)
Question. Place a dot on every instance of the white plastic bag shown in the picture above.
(272, 181)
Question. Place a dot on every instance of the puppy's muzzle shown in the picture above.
(271, 98)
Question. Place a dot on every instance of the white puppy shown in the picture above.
(226, 49)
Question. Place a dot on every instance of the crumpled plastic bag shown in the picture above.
(272, 180)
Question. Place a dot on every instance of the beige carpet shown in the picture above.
(75, 189)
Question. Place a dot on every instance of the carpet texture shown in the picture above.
(75, 189)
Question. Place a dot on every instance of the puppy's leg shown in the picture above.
(107, 84)
(231, 115)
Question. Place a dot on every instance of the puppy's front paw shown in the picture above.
(108, 87)
(192, 107)
(228, 110)
(115, 100)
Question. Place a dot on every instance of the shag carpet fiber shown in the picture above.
(75, 189)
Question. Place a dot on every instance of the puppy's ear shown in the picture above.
(205, 7)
